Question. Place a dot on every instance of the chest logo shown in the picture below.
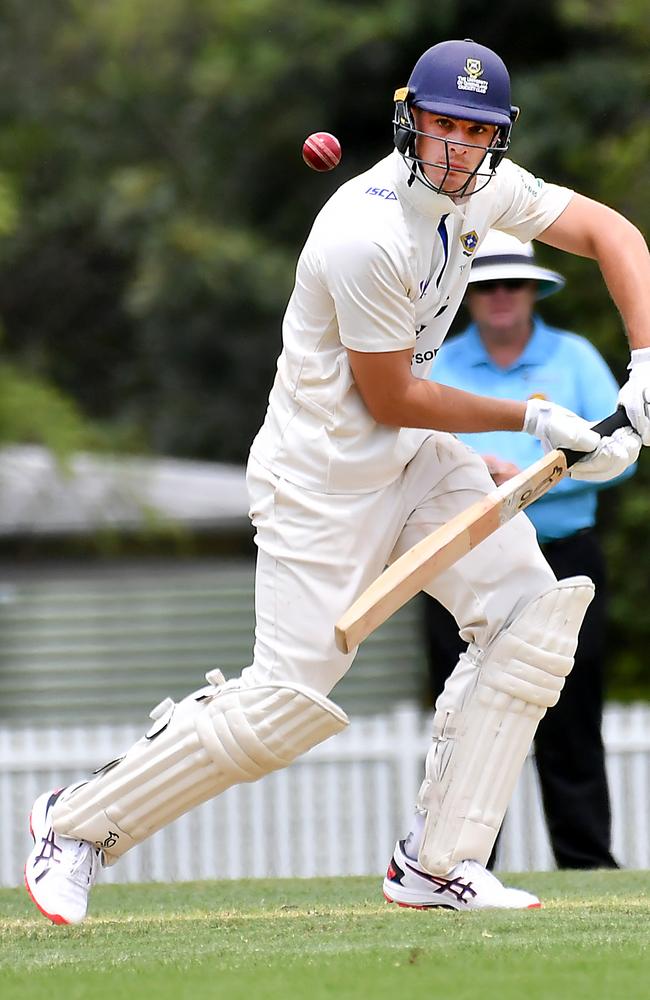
(469, 242)
(384, 193)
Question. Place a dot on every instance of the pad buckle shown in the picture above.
(161, 716)
(161, 709)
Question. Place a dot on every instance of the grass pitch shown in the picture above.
(311, 939)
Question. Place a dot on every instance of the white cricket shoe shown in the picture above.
(60, 871)
(468, 886)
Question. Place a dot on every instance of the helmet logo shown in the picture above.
(469, 242)
(474, 70)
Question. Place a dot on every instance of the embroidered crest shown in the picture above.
(474, 70)
(469, 242)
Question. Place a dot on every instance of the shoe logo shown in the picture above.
(52, 799)
(462, 891)
(49, 847)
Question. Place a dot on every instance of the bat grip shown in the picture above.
(606, 427)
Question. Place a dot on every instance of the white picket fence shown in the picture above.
(336, 811)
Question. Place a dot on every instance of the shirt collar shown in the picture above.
(418, 195)
(535, 352)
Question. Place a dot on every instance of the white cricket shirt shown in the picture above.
(384, 268)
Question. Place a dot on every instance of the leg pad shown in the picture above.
(219, 736)
(480, 744)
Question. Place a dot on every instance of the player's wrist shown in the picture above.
(639, 356)
(535, 409)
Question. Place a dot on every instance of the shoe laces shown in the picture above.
(82, 867)
(474, 869)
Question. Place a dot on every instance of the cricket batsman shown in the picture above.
(357, 461)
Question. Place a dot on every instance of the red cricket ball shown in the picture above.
(321, 151)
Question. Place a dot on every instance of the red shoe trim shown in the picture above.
(408, 906)
(535, 906)
(56, 918)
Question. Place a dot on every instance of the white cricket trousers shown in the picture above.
(317, 552)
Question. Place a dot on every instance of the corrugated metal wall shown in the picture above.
(108, 643)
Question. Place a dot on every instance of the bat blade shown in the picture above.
(443, 547)
(431, 556)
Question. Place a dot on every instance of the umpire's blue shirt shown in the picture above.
(556, 365)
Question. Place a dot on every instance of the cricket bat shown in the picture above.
(442, 548)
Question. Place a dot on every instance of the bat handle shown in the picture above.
(606, 427)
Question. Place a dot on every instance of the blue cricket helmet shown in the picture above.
(464, 80)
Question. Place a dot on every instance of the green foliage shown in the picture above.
(165, 228)
(626, 18)
(33, 412)
(596, 141)
(8, 205)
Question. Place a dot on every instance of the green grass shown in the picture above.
(332, 938)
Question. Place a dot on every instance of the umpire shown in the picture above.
(509, 352)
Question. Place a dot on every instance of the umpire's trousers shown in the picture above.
(568, 745)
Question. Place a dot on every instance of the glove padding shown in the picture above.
(611, 458)
(557, 427)
(635, 394)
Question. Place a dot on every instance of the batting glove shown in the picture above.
(635, 394)
(557, 427)
(611, 458)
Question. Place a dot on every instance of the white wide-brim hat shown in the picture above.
(504, 256)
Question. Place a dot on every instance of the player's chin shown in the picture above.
(447, 183)
(457, 182)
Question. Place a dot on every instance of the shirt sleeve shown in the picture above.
(526, 205)
(373, 308)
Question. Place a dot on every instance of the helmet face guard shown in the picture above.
(460, 80)
(405, 138)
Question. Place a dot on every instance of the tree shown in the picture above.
(153, 199)
(162, 234)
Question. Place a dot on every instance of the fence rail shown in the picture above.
(336, 811)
